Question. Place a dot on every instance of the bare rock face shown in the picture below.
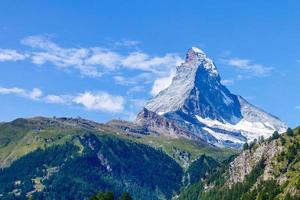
(162, 125)
(198, 105)
(247, 160)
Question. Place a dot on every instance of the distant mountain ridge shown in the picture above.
(200, 106)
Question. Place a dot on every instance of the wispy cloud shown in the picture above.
(162, 83)
(34, 94)
(58, 99)
(127, 43)
(136, 89)
(97, 61)
(65, 58)
(227, 82)
(99, 101)
(91, 61)
(142, 77)
(11, 55)
(144, 62)
(297, 107)
(248, 66)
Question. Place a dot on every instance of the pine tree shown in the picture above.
(290, 132)
(275, 135)
(246, 146)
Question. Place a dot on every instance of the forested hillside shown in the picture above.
(266, 170)
(49, 158)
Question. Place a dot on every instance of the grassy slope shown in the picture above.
(22, 136)
(95, 163)
(194, 149)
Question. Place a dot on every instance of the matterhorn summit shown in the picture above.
(197, 106)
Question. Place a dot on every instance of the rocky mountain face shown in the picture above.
(268, 169)
(196, 105)
(249, 159)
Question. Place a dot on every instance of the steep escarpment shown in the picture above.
(200, 106)
(267, 169)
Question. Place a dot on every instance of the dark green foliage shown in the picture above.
(110, 196)
(282, 140)
(106, 164)
(252, 144)
(275, 135)
(33, 165)
(237, 191)
(103, 196)
(291, 153)
(200, 167)
(290, 132)
(215, 176)
(213, 187)
(266, 190)
(192, 192)
(125, 196)
(245, 146)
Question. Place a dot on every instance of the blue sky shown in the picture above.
(102, 59)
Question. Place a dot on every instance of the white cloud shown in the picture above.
(13, 90)
(158, 65)
(11, 55)
(97, 101)
(297, 107)
(121, 80)
(136, 89)
(57, 99)
(127, 43)
(64, 58)
(93, 61)
(34, 94)
(137, 103)
(248, 66)
(227, 82)
(162, 83)
(106, 58)
(100, 101)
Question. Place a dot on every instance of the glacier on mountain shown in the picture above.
(198, 104)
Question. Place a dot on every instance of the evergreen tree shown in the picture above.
(245, 146)
(290, 132)
(275, 135)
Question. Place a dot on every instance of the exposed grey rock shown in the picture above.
(198, 105)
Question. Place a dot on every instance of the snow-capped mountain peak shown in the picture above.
(194, 53)
(196, 101)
